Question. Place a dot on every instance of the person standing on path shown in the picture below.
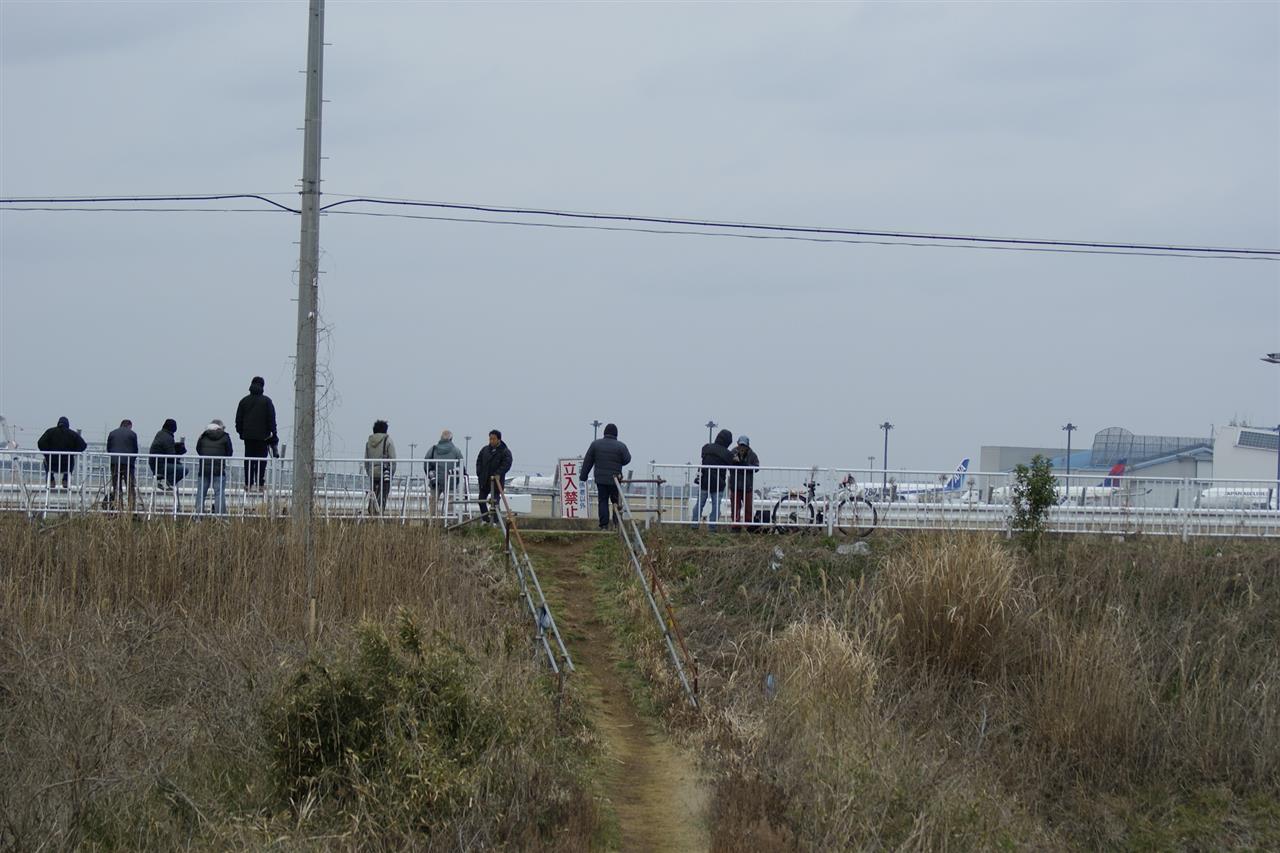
(716, 461)
(60, 444)
(256, 426)
(443, 466)
(213, 442)
(493, 460)
(742, 481)
(122, 445)
(379, 464)
(608, 456)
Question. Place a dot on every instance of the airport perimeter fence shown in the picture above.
(837, 501)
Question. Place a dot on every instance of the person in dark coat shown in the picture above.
(494, 460)
(122, 445)
(60, 444)
(716, 461)
(742, 480)
(608, 456)
(164, 448)
(213, 446)
(256, 426)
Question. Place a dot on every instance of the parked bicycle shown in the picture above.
(854, 514)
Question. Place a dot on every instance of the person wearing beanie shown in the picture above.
(716, 461)
(608, 457)
(742, 481)
(60, 443)
(213, 446)
(169, 472)
(256, 426)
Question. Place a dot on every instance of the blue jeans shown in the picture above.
(219, 483)
(703, 497)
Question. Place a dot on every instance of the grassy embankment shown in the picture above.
(156, 692)
(952, 692)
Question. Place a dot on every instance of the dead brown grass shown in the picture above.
(137, 662)
(954, 692)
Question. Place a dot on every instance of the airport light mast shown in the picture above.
(1069, 428)
(595, 429)
(884, 478)
(710, 426)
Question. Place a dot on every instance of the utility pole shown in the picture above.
(871, 465)
(595, 426)
(1069, 428)
(710, 426)
(884, 477)
(413, 450)
(304, 385)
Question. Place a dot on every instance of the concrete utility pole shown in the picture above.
(884, 479)
(304, 385)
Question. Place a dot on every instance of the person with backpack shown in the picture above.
(493, 461)
(212, 447)
(443, 467)
(608, 456)
(256, 426)
(379, 465)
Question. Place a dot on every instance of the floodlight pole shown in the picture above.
(710, 426)
(304, 390)
(595, 427)
(1070, 428)
(884, 478)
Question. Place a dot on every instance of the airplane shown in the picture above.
(1235, 497)
(920, 492)
(1111, 486)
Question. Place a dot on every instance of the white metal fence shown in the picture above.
(851, 500)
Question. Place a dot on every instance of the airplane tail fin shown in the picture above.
(1112, 479)
(956, 483)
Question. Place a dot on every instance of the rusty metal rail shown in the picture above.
(685, 664)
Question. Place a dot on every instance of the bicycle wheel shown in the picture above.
(792, 512)
(855, 517)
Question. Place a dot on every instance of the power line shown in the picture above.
(641, 224)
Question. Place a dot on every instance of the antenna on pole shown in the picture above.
(304, 392)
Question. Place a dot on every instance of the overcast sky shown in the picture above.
(1153, 122)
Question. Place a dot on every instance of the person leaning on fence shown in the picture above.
(608, 456)
(122, 445)
(742, 481)
(60, 444)
(256, 426)
(443, 467)
(379, 464)
(493, 461)
(716, 459)
(212, 447)
(169, 471)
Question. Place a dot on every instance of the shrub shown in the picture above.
(1033, 495)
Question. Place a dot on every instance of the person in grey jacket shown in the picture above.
(122, 445)
(379, 464)
(608, 456)
(443, 466)
(213, 446)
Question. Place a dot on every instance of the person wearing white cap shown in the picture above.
(213, 446)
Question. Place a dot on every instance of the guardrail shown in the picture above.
(852, 501)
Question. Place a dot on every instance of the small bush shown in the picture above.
(1033, 495)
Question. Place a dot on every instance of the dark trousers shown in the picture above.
(380, 487)
(486, 486)
(740, 504)
(607, 493)
(256, 466)
(122, 479)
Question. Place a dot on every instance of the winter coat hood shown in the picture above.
(256, 387)
(724, 438)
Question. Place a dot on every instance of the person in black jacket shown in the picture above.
(169, 471)
(256, 426)
(60, 443)
(716, 460)
(742, 480)
(213, 446)
(122, 445)
(494, 460)
(608, 456)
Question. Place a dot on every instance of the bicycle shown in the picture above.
(854, 514)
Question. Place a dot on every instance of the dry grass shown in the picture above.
(140, 666)
(954, 692)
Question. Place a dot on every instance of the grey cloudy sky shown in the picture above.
(1156, 122)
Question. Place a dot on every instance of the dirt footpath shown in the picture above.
(654, 786)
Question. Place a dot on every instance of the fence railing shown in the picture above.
(854, 500)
